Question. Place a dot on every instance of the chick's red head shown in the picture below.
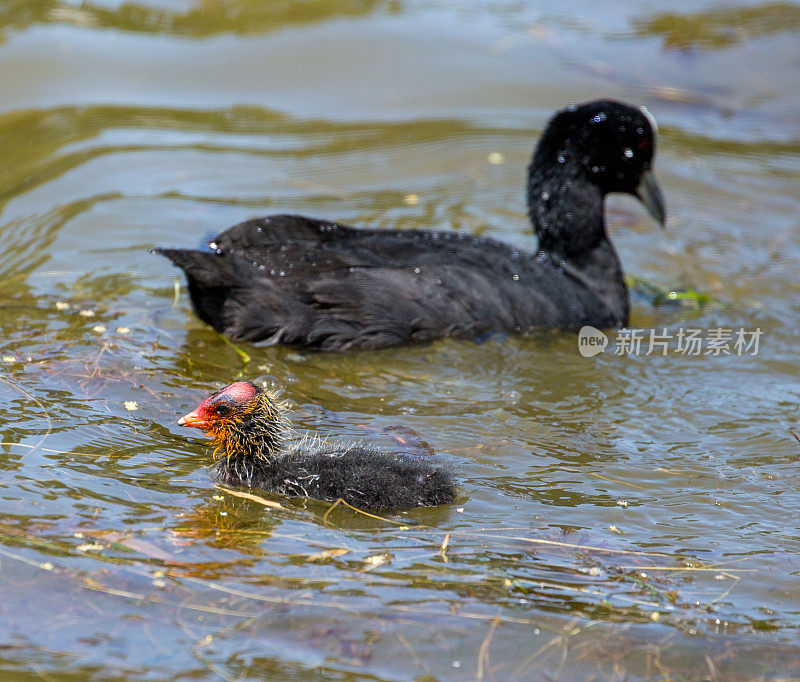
(219, 407)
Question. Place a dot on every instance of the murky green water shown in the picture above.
(621, 517)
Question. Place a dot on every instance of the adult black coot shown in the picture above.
(296, 280)
(249, 429)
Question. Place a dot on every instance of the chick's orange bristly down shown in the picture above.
(241, 418)
(250, 430)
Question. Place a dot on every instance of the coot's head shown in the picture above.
(242, 418)
(588, 151)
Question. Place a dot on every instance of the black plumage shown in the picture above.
(250, 432)
(359, 475)
(296, 280)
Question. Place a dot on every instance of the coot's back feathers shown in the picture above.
(296, 280)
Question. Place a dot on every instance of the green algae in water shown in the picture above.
(658, 295)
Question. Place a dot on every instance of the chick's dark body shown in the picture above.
(250, 432)
(361, 476)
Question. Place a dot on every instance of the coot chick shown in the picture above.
(296, 280)
(249, 430)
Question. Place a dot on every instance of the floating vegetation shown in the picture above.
(657, 295)
(721, 27)
(496, 158)
(244, 356)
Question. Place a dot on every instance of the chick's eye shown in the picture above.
(223, 409)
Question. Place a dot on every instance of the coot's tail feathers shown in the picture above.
(207, 269)
(235, 298)
(212, 281)
(336, 309)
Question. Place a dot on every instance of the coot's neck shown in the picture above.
(566, 211)
(565, 208)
